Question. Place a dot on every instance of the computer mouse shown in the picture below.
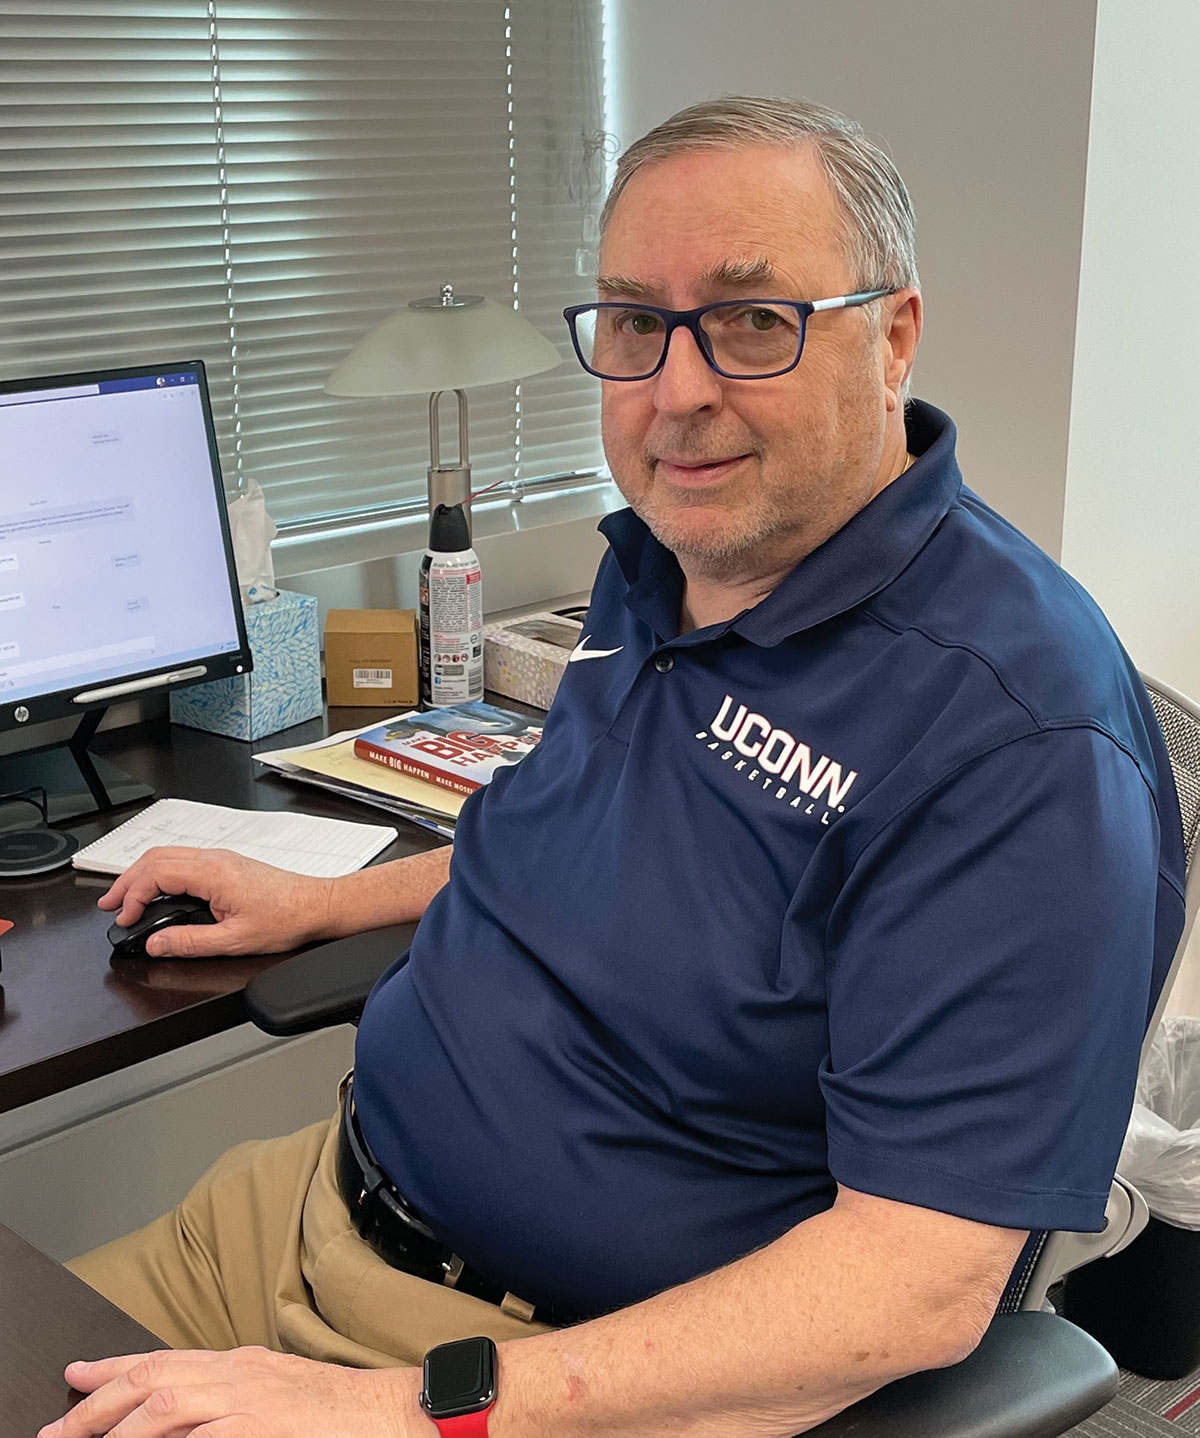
(129, 942)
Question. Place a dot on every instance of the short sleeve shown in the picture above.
(989, 964)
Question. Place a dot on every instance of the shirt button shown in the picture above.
(664, 663)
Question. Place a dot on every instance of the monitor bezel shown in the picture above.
(22, 714)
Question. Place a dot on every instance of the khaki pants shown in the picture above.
(262, 1251)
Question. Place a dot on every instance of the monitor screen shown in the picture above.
(116, 570)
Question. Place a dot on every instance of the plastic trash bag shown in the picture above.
(1161, 1153)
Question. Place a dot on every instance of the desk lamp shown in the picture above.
(445, 342)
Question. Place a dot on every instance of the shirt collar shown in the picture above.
(862, 558)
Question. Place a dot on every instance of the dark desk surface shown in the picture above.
(67, 1012)
(49, 1317)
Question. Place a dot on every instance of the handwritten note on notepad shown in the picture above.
(302, 843)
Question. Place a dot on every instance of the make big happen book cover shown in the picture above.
(459, 747)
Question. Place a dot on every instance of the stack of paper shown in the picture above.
(331, 764)
(303, 843)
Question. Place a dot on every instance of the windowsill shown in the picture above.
(490, 520)
(530, 550)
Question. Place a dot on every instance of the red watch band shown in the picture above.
(469, 1425)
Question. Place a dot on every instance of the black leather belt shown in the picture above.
(392, 1227)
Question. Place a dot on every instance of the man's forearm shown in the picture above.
(395, 893)
(765, 1348)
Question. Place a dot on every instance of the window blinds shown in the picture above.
(559, 193)
(257, 184)
(110, 217)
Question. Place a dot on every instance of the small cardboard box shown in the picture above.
(525, 658)
(283, 689)
(371, 657)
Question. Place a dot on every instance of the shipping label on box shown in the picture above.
(525, 658)
(371, 657)
(284, 687)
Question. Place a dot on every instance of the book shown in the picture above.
(301, 843)
(458, 748)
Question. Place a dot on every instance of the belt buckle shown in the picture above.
(517, 1308)
(372, 1182)
(453, 1267)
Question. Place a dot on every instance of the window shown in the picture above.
(257, 184)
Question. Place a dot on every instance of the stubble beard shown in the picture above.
(742, 517)
(725, 548)
(767, 529)
(794, 503)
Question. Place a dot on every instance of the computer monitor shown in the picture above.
(116, 566)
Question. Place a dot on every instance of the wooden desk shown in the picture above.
(67, 1012)
(47, 1318)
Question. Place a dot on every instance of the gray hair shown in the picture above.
(878, 221)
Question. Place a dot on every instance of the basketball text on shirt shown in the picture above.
(780, 758)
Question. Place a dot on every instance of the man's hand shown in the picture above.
(249, 1391)
(259, 909)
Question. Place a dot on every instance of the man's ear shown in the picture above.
(899, 335)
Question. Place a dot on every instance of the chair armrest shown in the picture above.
(325, 985)
(1034, 1375)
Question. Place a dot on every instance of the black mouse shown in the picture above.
(161, 913)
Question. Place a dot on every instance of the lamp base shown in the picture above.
(451, 486)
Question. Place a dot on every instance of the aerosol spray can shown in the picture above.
(451, 592)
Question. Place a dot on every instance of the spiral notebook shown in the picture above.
(301, 843)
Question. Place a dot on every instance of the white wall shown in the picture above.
(1131, 530)
(984, 107)
(1132, 524)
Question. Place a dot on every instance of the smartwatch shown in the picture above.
(460, 1387)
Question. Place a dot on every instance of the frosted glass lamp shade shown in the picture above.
(426, 347)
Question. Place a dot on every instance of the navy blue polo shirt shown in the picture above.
(872, 885)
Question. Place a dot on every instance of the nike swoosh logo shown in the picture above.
(579, 652)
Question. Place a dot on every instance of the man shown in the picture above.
(796, 977)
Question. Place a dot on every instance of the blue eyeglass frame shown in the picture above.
(690, 320)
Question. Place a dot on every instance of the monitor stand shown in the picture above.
(77, 784)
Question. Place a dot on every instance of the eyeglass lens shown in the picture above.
(743, 340)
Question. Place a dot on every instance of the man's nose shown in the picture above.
(686, 383)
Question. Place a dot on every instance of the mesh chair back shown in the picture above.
(1019, 1290)
(1047, 1256)
(1179, 720)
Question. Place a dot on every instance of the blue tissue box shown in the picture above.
(285, 685)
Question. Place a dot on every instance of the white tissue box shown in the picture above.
(525, 658)
(284, 687)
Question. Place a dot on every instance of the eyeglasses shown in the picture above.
(740, 339)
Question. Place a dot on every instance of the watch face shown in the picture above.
(460, 1378)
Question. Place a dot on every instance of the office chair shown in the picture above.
(1034, 1375)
